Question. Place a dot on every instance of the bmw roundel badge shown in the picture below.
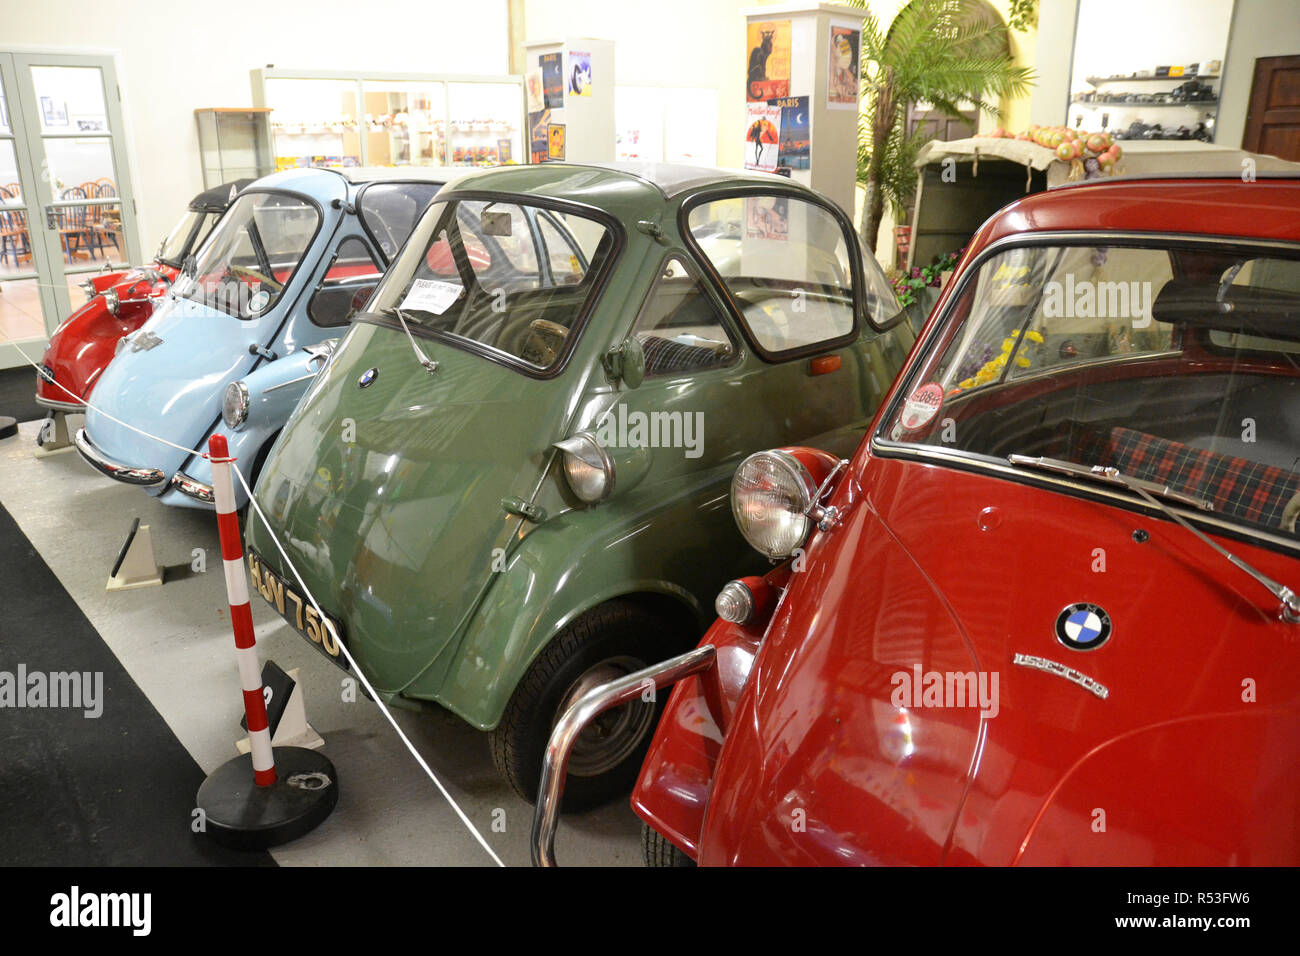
(367, 377)
(1083, 627)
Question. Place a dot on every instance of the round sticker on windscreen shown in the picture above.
(258, 301)
(921, 406)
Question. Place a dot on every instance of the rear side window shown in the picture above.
(679, 327)
(390, 211)
(785, 262)
(346, 286)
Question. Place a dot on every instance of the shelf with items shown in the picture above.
(1135, 78)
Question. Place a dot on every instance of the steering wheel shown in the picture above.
(245, 272)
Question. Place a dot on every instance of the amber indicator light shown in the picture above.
(824, 364)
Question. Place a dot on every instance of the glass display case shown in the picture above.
(234, 144)
(321, 118)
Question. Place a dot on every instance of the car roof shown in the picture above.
(218, 198)
(1267, 208)
(327, 183)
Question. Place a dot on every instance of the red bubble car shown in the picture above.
(1047, 614)
(118, 303)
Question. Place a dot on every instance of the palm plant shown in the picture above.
(942, 52)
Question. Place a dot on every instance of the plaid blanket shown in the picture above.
(1238, 487)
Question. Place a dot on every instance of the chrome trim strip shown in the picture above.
(191, 488)
(555, 764)
(146, 477)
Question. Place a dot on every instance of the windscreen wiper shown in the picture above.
(1152, 492)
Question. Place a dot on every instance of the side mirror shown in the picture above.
(626, 362)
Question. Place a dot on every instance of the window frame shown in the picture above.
(600, 283)
(715, 194)
(365, 226)
(375, 257)
(880, 445)
(724, 317)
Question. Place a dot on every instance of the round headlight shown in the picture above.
(587, 467)
(771, 495)
(234, 406)
(112, 301)
(734, 603)
(88, 287)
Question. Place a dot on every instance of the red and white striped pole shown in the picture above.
(241, 615)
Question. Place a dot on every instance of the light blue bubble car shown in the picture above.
(253, 317)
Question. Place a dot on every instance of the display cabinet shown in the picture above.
(234, 144)
(324, 118)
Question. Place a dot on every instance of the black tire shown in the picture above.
(617, 637)
(658, 850)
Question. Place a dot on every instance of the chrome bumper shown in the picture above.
(191, 488)
(131, 475)
(555, 764)
(59, 406)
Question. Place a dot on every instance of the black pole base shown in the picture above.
(8, 426)
(243, 816)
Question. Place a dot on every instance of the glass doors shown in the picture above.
(66, 207)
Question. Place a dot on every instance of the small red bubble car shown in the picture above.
(1047, 613)
(119, 302)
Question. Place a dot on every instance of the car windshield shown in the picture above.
(502, 277)
(174, 247)
(252, 254)
(1178, 365)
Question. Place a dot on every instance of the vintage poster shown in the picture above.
(795, 139)
(842, 86)
(505, 152)
(533, 84)
(769, 60)
(555, 141)
(762, 136)
(579, 73)
(538, 138)
(552, 80)
(767, 217)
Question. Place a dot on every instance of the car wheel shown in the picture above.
(658, 850)
(605, 643)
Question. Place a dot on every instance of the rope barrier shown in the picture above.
(217, 457)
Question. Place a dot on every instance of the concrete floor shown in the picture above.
(176, 643)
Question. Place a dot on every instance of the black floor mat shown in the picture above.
(116, 790)
(17, 393)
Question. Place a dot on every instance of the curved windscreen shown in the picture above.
(501, 276)
(192, 226)
(1178, 366)
(252, 254)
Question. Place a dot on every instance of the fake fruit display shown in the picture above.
(1088, 154)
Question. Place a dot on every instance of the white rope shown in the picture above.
(374, 696)
(324, 620)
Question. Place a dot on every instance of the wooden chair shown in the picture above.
(101, 224)
(13, 228)
(75, 236)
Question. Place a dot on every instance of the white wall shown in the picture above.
(1259, 28)
(174, 57)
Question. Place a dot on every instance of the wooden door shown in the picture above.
(1273, 117)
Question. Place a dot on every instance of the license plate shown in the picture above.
(295, 609)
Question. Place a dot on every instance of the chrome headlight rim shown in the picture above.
(111, 300)
(88, 287)
(805, 488)
(235, 413)
(586, 448)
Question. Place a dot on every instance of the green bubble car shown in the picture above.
(510, 481)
